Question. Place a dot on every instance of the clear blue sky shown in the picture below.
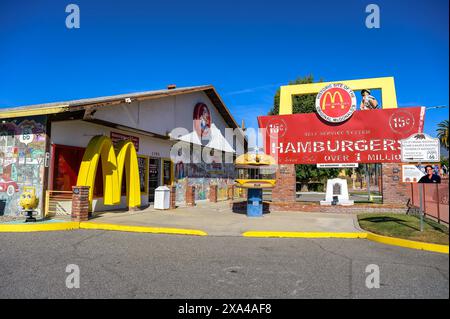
(246, 49)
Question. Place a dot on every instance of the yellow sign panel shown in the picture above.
(386, 84)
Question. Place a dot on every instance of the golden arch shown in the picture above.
(113, 166)
(332, 99)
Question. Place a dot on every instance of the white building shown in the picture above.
(44, 144)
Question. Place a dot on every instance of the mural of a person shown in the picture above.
(202, 120)
(179, 170)
(431, 176)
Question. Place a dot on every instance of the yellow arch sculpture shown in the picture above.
(113, 166)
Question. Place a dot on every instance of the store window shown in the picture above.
(67, 162)
(167, 172)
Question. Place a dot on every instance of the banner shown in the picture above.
(117, 137)
(371, 136)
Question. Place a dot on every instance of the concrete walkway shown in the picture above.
(219, 220)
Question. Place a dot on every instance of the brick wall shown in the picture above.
(394, 191)
(173, 197)
(284, 190)
(316, 208)
(80, 203)
(190, 195)
(213, 193)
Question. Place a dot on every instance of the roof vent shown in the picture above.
(171, 86)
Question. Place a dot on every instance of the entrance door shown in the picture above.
(153, 177)
(167, 177)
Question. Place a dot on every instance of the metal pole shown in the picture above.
(420, 204)
(368, 180)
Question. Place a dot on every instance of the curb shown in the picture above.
(393, 241)
(21, 228)
(30, 227)
(142, 229)
(280, 234)
(443, 249)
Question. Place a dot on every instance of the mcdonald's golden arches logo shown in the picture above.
(336, 102)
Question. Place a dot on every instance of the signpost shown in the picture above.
(420, 147)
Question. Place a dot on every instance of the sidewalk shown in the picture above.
(219, 220)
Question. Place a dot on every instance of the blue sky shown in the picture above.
(246, 49)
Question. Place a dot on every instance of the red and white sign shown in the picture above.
(368, 137)
(117, 137)
(336, 102)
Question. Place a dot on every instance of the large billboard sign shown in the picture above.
(367, 137)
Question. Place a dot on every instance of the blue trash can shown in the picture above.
(254, 203)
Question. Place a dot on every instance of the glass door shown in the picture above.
(153, 177)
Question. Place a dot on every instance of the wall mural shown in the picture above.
(22, 158)
(202, 175)
(198, 173)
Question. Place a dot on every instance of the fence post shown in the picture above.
(423, 197)
(47, 203)
(437, 203)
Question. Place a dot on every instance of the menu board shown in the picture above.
(143, 168)
(153, 177)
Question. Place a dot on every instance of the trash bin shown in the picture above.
(254, 203)
(162, 198)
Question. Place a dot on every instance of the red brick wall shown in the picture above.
(190, 196)
(394, 191)
(213, 193)
(173, 197)
(80, 203)
(284, 190)
(316, 208)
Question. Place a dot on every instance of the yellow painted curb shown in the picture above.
(408, 243)
(31, 227)
(364, 235)
(281, 234)
(142, 229)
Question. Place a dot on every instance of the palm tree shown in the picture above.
(442, 133)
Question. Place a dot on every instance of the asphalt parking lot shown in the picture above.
(133, 265)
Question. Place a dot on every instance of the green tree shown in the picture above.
(442, 133)
(305, 104)
(300, 103)
(444, 161)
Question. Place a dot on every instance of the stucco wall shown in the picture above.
(162, 115)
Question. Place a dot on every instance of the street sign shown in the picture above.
(337, 165)
(420, 147)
